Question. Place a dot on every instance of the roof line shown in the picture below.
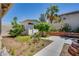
(72, 12)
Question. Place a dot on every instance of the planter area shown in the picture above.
(64, 34)
(21, 48)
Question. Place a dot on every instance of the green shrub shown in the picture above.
(23, 38)
(13, 51)
(66, 28)
(42, 44)
(77, 30)
(36, 36)
(42, 27)
(17, 28)
(53, 29)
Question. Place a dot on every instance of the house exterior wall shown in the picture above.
(27, 26)
(29, 29)
(32, 31)
(72, 20)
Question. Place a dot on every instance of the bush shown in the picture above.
(42, 27)
(13, 51)
(66, 28)
(53, 29)
(77, 30)
(17, 29)
(36, 36)
(23, 38)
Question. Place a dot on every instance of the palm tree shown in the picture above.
(51, 13)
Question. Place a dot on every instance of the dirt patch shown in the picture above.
(24, 49)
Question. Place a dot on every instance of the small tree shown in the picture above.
(17, 29)
(66, 28)
(51, 14)
(42, 27)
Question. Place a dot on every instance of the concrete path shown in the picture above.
(52, 49)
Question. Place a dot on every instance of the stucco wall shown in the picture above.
(72, 20)
(29, 28)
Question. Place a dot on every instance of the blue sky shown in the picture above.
(33, 10)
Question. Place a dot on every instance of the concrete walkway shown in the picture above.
(53, 49)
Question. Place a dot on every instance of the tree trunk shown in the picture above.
(50, 21)
(43, 34)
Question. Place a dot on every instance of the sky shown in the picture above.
(25, 11)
